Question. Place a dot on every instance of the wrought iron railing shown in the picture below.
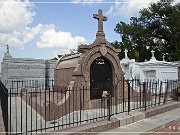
(29, 106)
(4, 104)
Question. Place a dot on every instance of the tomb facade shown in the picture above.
(18, 69)
(151, 70)
(95, 66)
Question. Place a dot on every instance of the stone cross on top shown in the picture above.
(7, 49)
(163, 57)
(126, 51)
(100, 19)
(7, 54)
(153, 58)
(152, 52)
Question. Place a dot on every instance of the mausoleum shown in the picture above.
(17, 69)
(95, 67)
(152, 69)
(81, 80)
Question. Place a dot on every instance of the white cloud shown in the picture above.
(87, 1)
(124, 8)
(15, 16)
(128, 8)
(51, 38)
(61, 52)
(12, 39)
(30, 33)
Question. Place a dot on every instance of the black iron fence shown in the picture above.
(4, 104)
(30, 106)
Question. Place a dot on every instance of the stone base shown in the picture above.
(117, 121)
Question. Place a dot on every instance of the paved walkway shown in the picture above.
(146, 125)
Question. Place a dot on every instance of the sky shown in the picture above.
(45, 28)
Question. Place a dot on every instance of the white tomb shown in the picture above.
(152, 69)
(155, 73)
(27, 69)
(130, 67)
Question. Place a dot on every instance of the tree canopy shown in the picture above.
(157, 28)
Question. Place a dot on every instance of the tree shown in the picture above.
(157, 28)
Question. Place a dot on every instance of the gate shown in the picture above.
(100, 78)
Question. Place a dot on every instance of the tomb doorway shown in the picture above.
(100, 78)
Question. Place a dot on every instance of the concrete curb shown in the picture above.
(160, 109)
(117, 121)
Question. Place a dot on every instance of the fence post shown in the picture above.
(177, 93)
(160, 92)
(177, 90)
(123, 95)
(109, 106)
(166, 91)
(128, 83)
(4, 105)
(144, 94)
